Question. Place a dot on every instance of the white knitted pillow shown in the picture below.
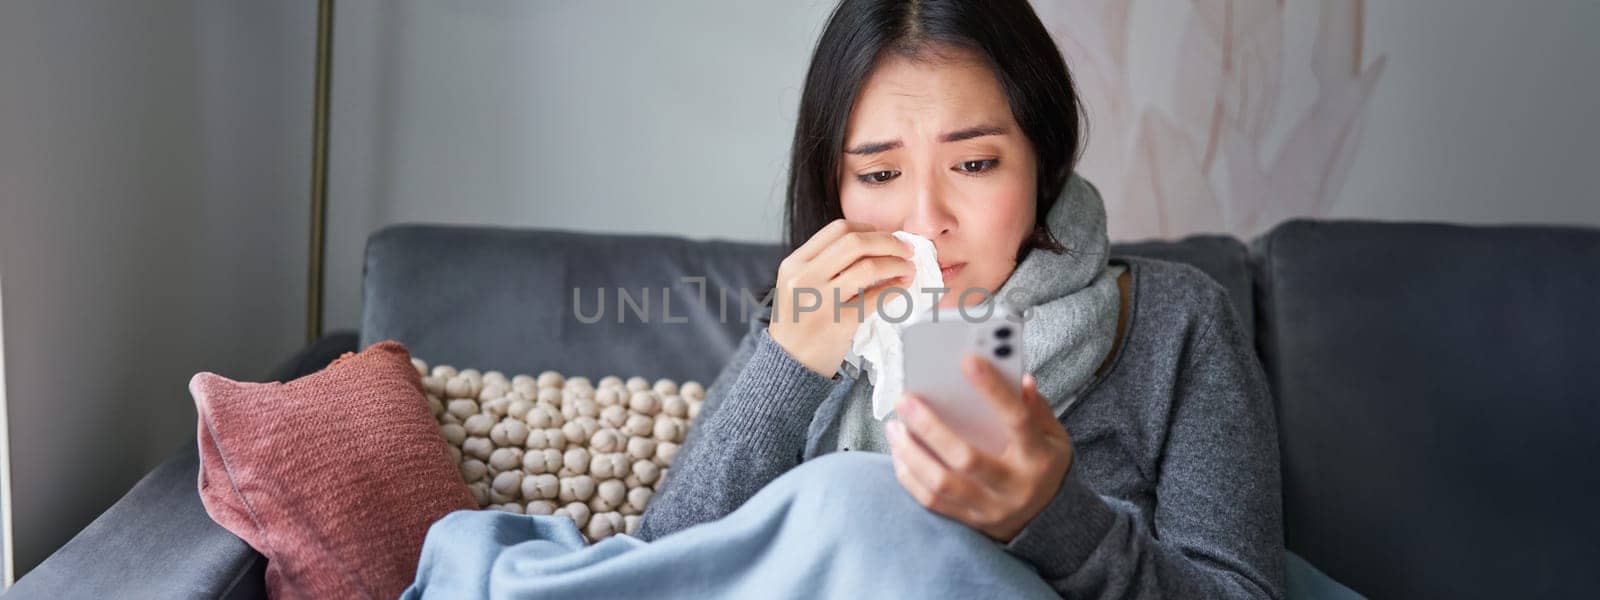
(553, 445)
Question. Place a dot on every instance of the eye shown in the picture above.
(878, 178)
(978, 166)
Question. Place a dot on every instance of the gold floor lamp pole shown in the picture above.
(319, 173)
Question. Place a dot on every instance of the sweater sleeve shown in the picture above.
(1218, 527)
(751, 429)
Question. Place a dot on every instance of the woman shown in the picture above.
(957, 121)
(1142, 451)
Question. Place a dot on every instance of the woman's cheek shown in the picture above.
(1004, 227)
(1017, 206)
(857, 208)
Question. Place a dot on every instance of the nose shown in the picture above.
(930, 215)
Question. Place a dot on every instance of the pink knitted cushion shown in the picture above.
(335, 477)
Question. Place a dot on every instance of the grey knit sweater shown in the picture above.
(1173, 491)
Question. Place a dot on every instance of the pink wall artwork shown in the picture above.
(1213, 145)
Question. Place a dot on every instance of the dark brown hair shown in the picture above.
(1006, 33)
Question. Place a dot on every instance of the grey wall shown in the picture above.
(154, 161)
(1489, 112)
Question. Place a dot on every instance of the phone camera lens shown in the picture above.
(1003, 333)
(1002, 351)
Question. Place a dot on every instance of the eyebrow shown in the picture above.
(954, 136)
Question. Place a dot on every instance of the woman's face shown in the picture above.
(932, 148)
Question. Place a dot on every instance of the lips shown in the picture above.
(948, 271)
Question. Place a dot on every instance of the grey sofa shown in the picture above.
(1437, 387)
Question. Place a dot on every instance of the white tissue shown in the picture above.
(877, 340)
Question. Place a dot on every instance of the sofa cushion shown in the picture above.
(334, 477)
(1436, 391)
(591, 451)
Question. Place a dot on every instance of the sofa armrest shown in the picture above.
(157, 541)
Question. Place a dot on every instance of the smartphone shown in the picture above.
(934, 346)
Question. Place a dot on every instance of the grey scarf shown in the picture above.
(1070, 301)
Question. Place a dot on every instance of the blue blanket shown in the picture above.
(794, 539)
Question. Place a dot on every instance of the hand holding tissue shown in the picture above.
(877, 340)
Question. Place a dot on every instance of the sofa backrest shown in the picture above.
(1438, 393)
(494, 298)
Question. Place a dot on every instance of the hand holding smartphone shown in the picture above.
(934, 347)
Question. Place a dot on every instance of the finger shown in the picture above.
(948, 447)
(1036, 401)
(872, 272)
(959, 489)
(873, 299)
(934, 487)
(860, 304)
(1050, 429)
(1007, 402)
(920, 492)
(850, 247)
(825, 237)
